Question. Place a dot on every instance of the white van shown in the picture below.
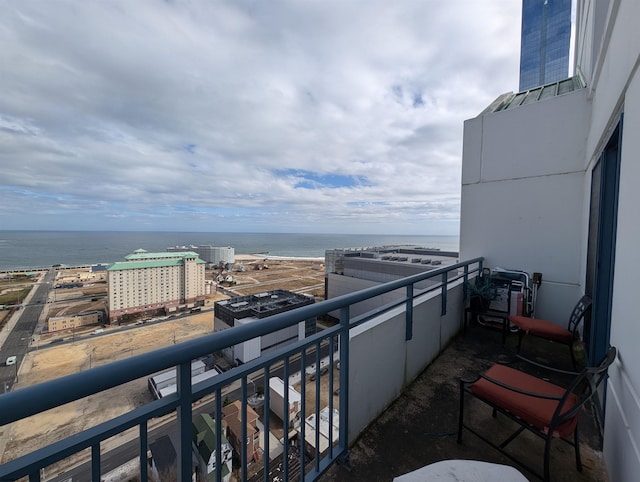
(11, 360)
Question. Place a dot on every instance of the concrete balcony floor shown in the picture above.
(420, 427)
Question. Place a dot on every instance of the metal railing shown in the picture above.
(306, 460)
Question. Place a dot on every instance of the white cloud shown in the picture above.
(178, 115)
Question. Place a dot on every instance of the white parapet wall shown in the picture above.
(383, 363)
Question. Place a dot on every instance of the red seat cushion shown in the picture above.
(535, 411)
(542, 328)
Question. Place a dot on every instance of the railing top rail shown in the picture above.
(31, 400)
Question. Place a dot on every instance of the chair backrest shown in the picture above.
(584, 386)
(577, 315)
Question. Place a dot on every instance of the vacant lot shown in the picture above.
(298, 275)
(45, 364)
(302, 276)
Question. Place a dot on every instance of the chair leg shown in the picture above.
(547, 455)
(573, 357)
(577, 449)
(520, 336)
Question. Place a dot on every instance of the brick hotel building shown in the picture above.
(148, 282)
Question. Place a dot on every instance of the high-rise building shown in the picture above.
(148, 282)
(209, 254)
(545, 39)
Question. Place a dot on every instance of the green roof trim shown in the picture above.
(141, 259)
(139, 255)
(204, 436)
(160, 263)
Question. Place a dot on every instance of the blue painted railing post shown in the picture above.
(344, 380)
(31, 400)
(95, 463)
(243, 430)
(465, 286)
(144, 445)
(409, 330)
(185, 426)
(443, 310)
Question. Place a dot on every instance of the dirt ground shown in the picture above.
(298, 275)
(45, 364)
(302, 276)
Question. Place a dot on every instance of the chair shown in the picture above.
(552, 331)
(548, 410)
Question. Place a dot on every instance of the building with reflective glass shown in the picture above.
(545, 39)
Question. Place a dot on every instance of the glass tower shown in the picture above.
(544, 49)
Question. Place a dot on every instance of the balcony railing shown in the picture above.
(379, 353)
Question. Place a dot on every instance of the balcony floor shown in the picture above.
(420, 427)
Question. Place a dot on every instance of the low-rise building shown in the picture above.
(241, 310)
(328, 431)
(57, 323)
(204, 444)
(353, 269)
(232, 417)
(277, 403)
(152, 282)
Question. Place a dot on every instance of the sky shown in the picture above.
(310, 116)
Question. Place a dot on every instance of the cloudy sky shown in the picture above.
(259, 116)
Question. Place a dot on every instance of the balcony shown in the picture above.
(368, 409)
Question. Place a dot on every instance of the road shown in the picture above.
(122, 454)
(17, 342)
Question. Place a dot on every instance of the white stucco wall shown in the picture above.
(523, 193)
(552, 233)
(622, 427)
(387, 363)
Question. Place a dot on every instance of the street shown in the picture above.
(18, 340)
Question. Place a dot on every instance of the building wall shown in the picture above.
(57, 323)
(616, 89)
(546, 231)
(523, 190)
(387, 376)
(622, 428)
(338, 285)
(152, 288)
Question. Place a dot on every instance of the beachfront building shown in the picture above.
(152, 282)
(241, 310)
(353, 269)
(209, 254)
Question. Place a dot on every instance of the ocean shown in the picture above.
(36, 249)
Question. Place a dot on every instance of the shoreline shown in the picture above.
(238, 257)
(255, 257)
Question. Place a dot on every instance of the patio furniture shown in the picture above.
(552, 331)
(494, 312)
(463, 471)
(547, 410)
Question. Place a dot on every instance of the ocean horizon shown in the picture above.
(38, 249)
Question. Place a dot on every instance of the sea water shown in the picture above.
(36, 249)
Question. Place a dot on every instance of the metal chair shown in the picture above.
(551, 331)
(548, 410)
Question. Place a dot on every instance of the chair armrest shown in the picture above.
(519, 390)
(547, 367)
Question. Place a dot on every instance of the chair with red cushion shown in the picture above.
(548, 410)
(552, 331)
